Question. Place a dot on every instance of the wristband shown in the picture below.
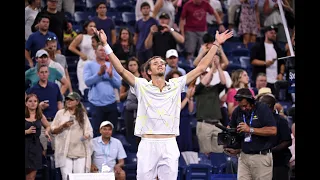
(108, 49)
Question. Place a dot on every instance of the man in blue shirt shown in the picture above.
(101, 79)
(38, 39)
(106, 150)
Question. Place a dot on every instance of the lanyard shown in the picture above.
(244, 119)
(103, 147)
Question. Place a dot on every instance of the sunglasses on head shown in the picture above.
(51, 38)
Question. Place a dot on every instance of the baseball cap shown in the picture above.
(171, 52)
(105, 123)
(41, 52)
(270, 28)
(73, 96)
(164, 16)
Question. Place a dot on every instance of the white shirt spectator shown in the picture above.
(29, 17)
(216, 5)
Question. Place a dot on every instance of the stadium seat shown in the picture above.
(80, 5)
(88, 108)
(240, 52)
(218, 162)
(129, 18)
(82, 16)
(229, 46)
(116, 17)
(122, 5)
(224, 177)
(123, 140)
(199, 172)
(69, 17)
(90, 4)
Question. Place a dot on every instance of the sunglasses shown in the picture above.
(51, 38)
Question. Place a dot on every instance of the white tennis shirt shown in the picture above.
(158, 112)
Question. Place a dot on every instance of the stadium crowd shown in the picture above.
(79, 113)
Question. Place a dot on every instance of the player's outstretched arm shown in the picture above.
(123, 72)
(206, 60)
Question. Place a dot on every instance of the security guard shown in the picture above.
(255, 123)
(280, 150)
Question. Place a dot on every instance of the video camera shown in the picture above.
(229, 137)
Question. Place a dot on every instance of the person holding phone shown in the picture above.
(34, 119)
(73, 132)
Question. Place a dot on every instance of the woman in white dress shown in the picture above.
(83, 42)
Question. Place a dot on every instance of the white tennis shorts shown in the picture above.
(158, 158)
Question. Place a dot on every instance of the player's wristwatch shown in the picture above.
(251, 130)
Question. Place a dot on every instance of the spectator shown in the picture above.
(37, 40)
(142, 29)
(249, 25)
(68, 36)
(82, 46)
(208, 108)
(66, 5)
(50, 100)
(58, 22)
(34, 120)
(163, 37)
(194, 25)
(138, 8)
(133, 67)
(51, 48)
(261, 82)
(104, 22)
(73, 133)
(211, 20)
(124, 48)
(233, 5)
(239, 79)
(172, 62)
(101, 79)
(54, 75)
(106, 151)
(30, 13)
(167, 7)
(264, 58)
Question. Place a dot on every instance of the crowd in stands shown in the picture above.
(78, 110)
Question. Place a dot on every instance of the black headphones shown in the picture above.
(239, 97)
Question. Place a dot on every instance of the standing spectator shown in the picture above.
(37, 40)
(68, 36)
(167, 7)
(233, 5)
(193, 24)
(50, 100)
(163, 37)
(211, 20)
(51, 48)
(249, 25)
(142, 29)
(58, 22)
(30, 13)
(34, 120)
(138, 8)
(82, 46)
(264, 58)
(124, 48)
(66, 6)
(104, 22)
(101, 79)
(73, 133)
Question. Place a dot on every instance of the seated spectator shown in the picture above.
(106, 150)
(68, 36)
(261, 82)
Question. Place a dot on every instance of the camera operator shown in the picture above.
(280, 151)
(255, 123)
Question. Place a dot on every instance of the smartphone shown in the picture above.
(46, 101)
(72, 118)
